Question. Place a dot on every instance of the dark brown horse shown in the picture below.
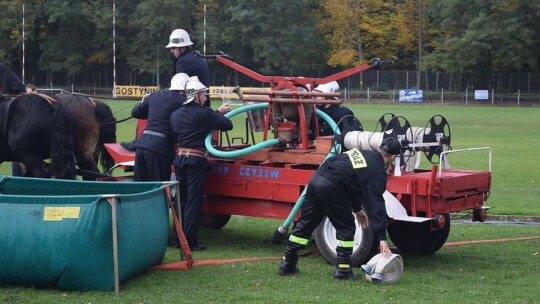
(69, 129)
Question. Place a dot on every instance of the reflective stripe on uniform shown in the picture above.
(298, 240)
(357, 159)
(345, 244)
(342, 266)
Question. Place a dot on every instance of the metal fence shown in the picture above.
(372, 86)
(384, 80)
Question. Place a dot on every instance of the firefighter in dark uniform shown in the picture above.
(335, 111)
(333, 191)
(154, 150)
(186, 61)
(191, 124)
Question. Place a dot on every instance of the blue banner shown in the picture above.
(410, 96)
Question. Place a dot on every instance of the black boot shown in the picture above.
(345, 273)
(344, 270)
(128, 146)
(288, 265)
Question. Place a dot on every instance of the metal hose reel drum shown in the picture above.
(437, 130)
(397, 127)
(383, 121)
(431, 139)
(381, 269)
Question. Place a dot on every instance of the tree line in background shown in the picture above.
(71, 41)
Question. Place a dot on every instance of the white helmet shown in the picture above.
(330, 87)
(178, 82)
(193, 87)
(179, 38)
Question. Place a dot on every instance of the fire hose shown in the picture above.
(281, 232)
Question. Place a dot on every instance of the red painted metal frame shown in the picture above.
(274, 80)
(268, 183)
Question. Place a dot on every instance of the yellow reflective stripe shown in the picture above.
(344, 266)
(298, 240)
(345, 244)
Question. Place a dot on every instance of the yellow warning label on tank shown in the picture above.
(60, 213)
(53, 214)
(72, 212)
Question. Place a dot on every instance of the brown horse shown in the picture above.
(69, 129)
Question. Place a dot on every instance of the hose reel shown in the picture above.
(431, 139)
(437, 130)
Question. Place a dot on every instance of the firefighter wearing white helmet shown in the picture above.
(185, 60)
(191, 124)
(154, 149)
(329, 87)
(193, 89)
(178, 82)
(336, 111)
(179, 38)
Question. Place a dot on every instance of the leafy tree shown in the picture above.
(11, 33)
(152, 23)
(272, 37)
(483, 36)
(359, 30)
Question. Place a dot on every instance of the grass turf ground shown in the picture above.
(487, 273)
(504, 272)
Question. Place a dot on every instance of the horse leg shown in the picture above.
(36, 167)
(88, 164)
(84, 154)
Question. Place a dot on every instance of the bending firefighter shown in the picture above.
(353, 180)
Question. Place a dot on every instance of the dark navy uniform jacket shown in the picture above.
(336, 112)
(157, 109)
(367, 182)
(193, 65)
(191, 124)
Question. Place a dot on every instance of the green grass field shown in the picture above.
(505, 272)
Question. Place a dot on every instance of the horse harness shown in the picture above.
(48, 98)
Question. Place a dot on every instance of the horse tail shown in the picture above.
(62, 150)
(107, 133)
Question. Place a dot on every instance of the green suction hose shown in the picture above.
(281, 232)
(244, 151)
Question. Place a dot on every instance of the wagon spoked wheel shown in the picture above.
(418, 238)
(215, 221)
(365, 243)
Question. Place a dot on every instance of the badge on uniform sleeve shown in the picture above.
(357, 159)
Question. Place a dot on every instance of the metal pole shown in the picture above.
(442, 95)
(419, 42)
(519, 95)
(466, 96)
(114, 48)
(111, 199)
(492, 96)
(23, 47)
(204, 31)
